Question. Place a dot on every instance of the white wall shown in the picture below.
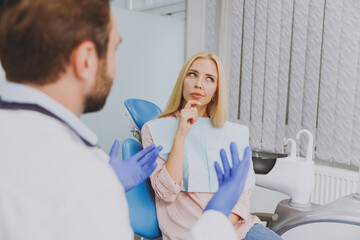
(148, 62)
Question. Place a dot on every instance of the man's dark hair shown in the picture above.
(38, 36)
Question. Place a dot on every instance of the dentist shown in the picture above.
(55, 183)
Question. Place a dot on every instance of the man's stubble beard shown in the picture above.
(95, 100)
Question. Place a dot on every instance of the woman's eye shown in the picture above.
(192, 74)
(210, 79)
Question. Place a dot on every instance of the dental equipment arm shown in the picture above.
(293, 147)
(310, 146)
(136, 169)
(232, 181)
(292, 175)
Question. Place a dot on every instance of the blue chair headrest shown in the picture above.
(142, 111)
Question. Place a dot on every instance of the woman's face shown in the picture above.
(201, 82)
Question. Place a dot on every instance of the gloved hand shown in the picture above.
(232, 182)
(134, 170)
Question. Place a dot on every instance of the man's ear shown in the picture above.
(84, 61)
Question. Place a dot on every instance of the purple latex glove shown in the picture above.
(136, 169)
(232, 181)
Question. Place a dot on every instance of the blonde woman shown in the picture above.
(192, 129)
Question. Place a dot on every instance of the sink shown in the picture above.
(264, 161)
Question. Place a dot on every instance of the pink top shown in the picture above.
(178, 211)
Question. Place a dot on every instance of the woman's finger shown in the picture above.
(192, 103)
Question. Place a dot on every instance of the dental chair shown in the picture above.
(141, 201)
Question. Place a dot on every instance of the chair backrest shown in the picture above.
(141, 200)
(141, 111)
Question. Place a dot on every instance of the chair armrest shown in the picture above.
(267, 217)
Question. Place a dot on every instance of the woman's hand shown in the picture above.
(174, 164)
(188, 116)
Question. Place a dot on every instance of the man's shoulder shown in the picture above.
(29, 120)
(27, 125)
(35, 140)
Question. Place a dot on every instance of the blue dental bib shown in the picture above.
(202, 148)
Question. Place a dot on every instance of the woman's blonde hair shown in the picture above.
(217, 108)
